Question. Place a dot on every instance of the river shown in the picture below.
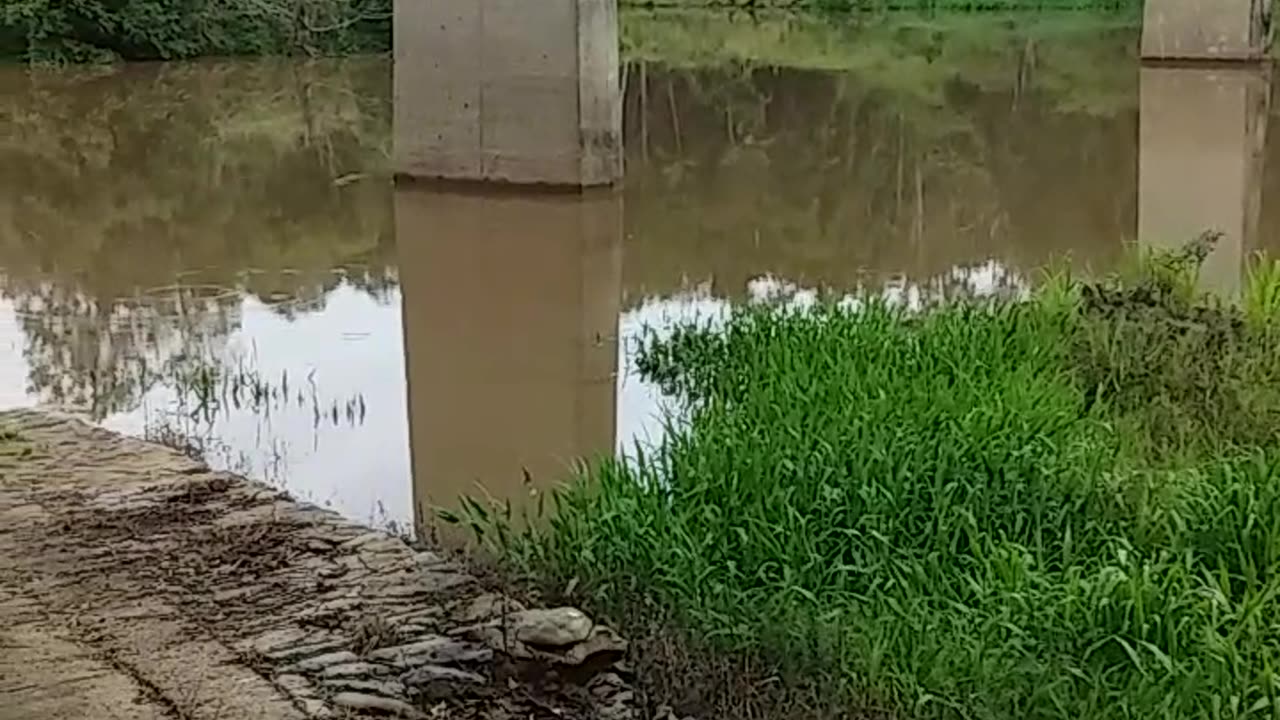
(214, 251)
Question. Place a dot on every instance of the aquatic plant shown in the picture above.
(1062, 508)
(209, 388)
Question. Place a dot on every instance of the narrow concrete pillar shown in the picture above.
(1202, 137)
(1204, 29)
(509, 91)
(511, 306)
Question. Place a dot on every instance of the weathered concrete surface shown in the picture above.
(1204, 29)
(137, 584)
(487, 90)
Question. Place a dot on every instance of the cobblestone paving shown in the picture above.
(137, 584)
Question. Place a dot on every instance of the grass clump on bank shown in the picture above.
(1067, 507)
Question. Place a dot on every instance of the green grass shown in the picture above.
(1062, 508)
(913, 49)
(1262, 290)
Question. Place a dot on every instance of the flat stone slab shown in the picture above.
(140, 585)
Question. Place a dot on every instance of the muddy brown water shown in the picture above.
(380, 350)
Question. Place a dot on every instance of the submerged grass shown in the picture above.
(1067, 507)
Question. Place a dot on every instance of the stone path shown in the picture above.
(136, 584)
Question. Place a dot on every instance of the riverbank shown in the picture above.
(139, 584)
(1059, 506)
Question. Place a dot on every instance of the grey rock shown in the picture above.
(296, 686)
(311, 649)
(395, 652)
(411, 630)
(384, 688)
(499, 641)
(381, 545)
(489, 606)
(426, 674)
(418, 583)
(441, 581)
(373, 703)
(276, 640)
(435, 650)
(417, 615)
(352, 563)
(664, 712)
(222, 596)
(362, 540)
(338, 605)
(600, 640)
(354, 670)
(427, 559)
(403, 590)
(556, 627)
(330, 571)
(320, 662)
(304, 695)
(314, 708)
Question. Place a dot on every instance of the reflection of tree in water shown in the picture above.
(100, 358)
(885, 163)
(118, 188)
(264, 177)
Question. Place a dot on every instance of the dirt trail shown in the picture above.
(137, 584)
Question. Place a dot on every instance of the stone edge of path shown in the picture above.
(174, 590)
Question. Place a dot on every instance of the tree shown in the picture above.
(92, 30)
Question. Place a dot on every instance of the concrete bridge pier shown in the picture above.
(1197, 30)
(494, 91)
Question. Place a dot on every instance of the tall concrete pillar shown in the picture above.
(1202, 136)
(511, 91)
(1204, 29)
(511, 305)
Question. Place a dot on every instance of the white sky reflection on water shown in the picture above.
(14, 367)
(352, 347)
(641, 406)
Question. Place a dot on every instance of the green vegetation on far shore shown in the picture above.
(968, 6)
(106, 30)
(905, 47)
(1061, 507)
(100, 30)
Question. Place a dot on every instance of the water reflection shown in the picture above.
(154, 218)
(826, 178)
(511, 327)
(1203, 138)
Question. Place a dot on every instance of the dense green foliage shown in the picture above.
(96, 30)
(895, 5)
(1067, 507)
(87, 30)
